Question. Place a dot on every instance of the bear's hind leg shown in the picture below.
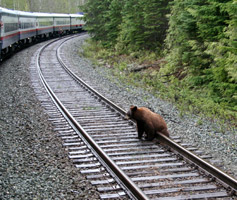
(165, 132)
(150, 135)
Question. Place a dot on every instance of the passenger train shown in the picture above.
(19, 28)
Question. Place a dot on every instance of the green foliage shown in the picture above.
(112, 26)
(155, 23)
(144, 25)
(201, 43)
(103, 19)
(189, 95)
(129, 25)
(17, 5)
(131, 34)
(96, 17)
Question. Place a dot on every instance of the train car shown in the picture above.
(76, 22)
(45, 25)
(61, 24)
(18, 28)
(27, 26)
(9, 30)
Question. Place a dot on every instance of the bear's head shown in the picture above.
(131, 112)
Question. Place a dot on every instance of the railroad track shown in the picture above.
(104, 146)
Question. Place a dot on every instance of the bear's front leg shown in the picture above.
(140, 130)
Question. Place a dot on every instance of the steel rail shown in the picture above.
(206, 166)
(117, 108)
(224, 178)
(136, 192)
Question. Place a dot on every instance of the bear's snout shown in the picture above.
(127, 117)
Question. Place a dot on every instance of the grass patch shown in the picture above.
(142, 69)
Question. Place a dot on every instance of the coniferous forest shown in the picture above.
(197, 39)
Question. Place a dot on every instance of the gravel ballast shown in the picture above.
(35, 165)
(207, 136)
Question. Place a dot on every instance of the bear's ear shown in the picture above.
(133, 108)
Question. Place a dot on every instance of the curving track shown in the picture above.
(105, 148)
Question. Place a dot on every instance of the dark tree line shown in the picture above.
(202, 41)
(198, 38)
(130, 25)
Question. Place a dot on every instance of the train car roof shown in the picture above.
(23, 13)
(76, 15)
(8, 11)
(16, 12)
(39, 14)
(60, 15)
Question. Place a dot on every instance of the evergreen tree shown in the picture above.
(224, 51)
(115, 19)
(180, 40)
(229, 43)
(144, 25)
(132, 27)
(201, 42)
(96, 18)
(155, 23)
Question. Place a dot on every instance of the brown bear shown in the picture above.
(147, 121)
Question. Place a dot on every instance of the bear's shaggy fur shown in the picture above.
(148, 122)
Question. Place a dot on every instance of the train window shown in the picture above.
(62, 22)
(27, 25)
(45, 23)
(8, 27)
